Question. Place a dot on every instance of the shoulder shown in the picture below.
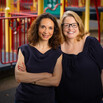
(91, 40)
(94, 45)
(58, 50)
(24, 46)
(24, 49)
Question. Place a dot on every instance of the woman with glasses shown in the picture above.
(82, 63)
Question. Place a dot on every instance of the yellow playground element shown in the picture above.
(87, 16)
(7, 28)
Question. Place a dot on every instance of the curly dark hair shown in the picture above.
(33, 37)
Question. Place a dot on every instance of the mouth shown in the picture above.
(70, 32)
(45, 36)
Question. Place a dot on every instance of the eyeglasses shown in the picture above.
(67, 25)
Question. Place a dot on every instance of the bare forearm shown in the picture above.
(22, 75)
(52, 81)
(30, 77)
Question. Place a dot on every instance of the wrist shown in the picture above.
(34, 82)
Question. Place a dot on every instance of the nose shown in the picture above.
(70, 25)
(46, 30)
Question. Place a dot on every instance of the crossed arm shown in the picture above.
(43, 79)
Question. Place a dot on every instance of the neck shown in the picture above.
(42, 44)
(71, 41)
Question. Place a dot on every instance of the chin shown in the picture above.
(71, 37)
(45, 39)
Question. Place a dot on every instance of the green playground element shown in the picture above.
(51, 4)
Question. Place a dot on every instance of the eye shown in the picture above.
(42, 26)
(50, 28)
(74, 25)
(65, 25)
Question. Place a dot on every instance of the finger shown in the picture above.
(23, 65)
(21, 68)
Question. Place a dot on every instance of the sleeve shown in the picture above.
(25, 52)
(96, 51)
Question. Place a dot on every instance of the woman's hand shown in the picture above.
(22, 67)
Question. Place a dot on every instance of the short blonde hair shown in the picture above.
(77, 18)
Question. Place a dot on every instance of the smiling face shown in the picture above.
(70, 28)
(46, 29)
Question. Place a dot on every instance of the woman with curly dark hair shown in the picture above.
(33, 37)
(38, 68)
